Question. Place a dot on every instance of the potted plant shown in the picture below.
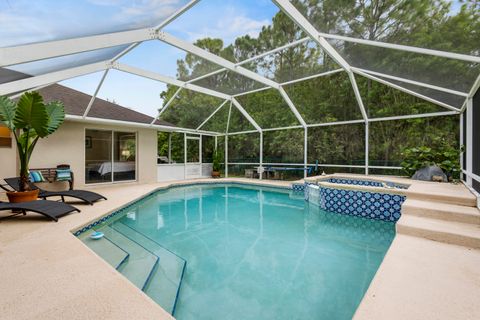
(216, 164)
(29, 119)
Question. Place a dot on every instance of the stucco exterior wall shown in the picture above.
(67, 146)
(8, 162)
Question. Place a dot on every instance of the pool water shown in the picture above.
(254, 252)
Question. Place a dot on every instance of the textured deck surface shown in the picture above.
(49, 274)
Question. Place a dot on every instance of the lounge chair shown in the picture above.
(86, 196)
(50, 209)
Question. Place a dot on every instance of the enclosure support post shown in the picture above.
(169, 147)
(184, 156)
(462, 142)
(226, 155)
(469, 140)
(226, 139)
(260, 171)
(200, 155)
(367, 136)
(92, 99)
(305, 153)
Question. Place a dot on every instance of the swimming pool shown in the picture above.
(224, 251)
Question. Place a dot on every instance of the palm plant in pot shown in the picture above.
(29, 119)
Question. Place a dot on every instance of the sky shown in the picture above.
(26, 21)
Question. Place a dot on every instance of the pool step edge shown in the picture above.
(137, 255)
(441, 211)
(163, 275)
(457, 233)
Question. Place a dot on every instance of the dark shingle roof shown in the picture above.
(76, 102)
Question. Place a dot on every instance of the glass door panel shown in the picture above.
(98, 156)
(124, 160)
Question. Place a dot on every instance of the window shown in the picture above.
(110, 156)
(5, 137)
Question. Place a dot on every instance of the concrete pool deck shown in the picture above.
(49, 274)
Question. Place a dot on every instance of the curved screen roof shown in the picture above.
(235, 50)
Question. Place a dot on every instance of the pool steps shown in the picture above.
(462, 234)
(108, 250)
(468, 200)
(148, 265)
(434, 212)
(441, 221)
(441, 211)
(141, 262)
(165, 283)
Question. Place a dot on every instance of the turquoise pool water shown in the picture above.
(250, 253)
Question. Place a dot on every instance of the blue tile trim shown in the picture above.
(373, 205)
(369, 183)
(356, 182)
(154, 192)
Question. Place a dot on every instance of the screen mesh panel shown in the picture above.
(40, 67)
(268, 109)
(20, 19)
(443, 72)
(453, 100)
(342, 144)
(388, 139)
(447, 25)
(229, 82)
(283, 146)
(244, 148)
(300, 61)
(132, 91)
(167, 60)
(208, 147)
(238, 122)
(218, 123)
(235, 30)
(189, 108)
(325, 99)
(476, 139)
(381, 100)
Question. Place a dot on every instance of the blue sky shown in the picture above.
(23, 21)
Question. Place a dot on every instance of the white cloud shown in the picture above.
(23, 29)
(141, 12)
(106, 2)
(227, 27)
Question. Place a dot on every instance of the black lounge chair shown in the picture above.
(50, 209)
(86, 196)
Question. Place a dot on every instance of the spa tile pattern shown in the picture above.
(373, 205)
(368, 183)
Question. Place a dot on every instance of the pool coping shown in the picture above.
(90, 287)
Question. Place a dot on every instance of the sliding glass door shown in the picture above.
(110, 156)
(124, 156)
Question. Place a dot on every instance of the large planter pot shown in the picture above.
(23, 196)
(215, 174)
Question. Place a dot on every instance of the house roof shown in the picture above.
(76, 102)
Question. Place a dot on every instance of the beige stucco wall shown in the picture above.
(8, 163)
(66, 146)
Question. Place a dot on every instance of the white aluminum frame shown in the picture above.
(92, 99)
(51, 49)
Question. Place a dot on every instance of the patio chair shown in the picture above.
(50, 209)
(86, 196)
